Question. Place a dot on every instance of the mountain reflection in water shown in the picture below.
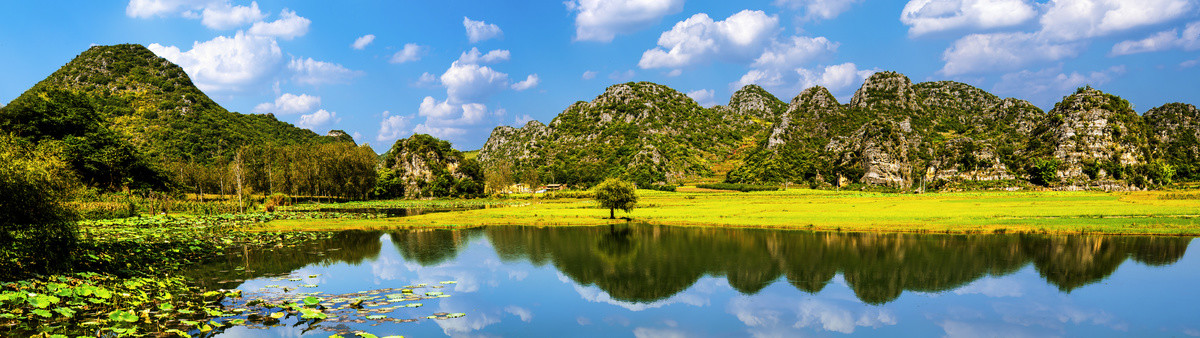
(644, 263)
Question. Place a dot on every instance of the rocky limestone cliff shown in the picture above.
(892, 133)
(1092, 127)
(424, 166)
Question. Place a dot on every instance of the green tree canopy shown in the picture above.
(615, 193)
(37, 228)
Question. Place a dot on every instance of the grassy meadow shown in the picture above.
(1153, 212)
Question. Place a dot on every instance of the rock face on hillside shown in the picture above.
(423, 166)
(892, 133)
(1091, 128)
(1175, 137)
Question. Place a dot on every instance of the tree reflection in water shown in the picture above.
(646, 263)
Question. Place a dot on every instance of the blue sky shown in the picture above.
(382, 70)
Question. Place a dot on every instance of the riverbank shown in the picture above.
(1124, 213)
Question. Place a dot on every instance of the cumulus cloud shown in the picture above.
(531, 81)
(1077, 19)
(479, 31)
(818, 9)
(926, 16)
(410, 52)
(442, 132)
(392, 127)
(289, 104)
(226, 63)
(287, 27)
(474, 56)
(798, 51)
(741, 37)
(427, 80)
(319, 118)
(588, 75)
(362, 42)
(1002, 51)
(226, 16)
(313, 72)
(1172, 39)
(1046, 86)
(524, 313)
(446, 112)
(467, 82)
(704, 97)
(835, 77)
(602, 20)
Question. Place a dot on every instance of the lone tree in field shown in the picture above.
(615, 194)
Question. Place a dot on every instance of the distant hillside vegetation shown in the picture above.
(122, 115)
(893, 134)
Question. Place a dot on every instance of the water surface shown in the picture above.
(646, 281)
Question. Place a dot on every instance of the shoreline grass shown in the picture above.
(1049, 212)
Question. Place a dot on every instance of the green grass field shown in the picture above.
(1160, 213)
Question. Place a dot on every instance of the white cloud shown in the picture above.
(1189, 40)
(479, 31)
(447, 113)
(225, 63)
(226, 16)
(317, 119)
(704, 97)
(1002, 51)
(287, 27)
(698, 39)
(151, 8)
(646, 332)
(1189, 63)
(313, 72)
(1048, 85)
(818, 9)
(520, 121)
(602, 20)
(362, 42)
(427, 79)
(471, 82)
(1076, 19)
(392, 127)
(474, 56)
(531, 81)
(289, 104)
(588, 75)
(992, 287)
(440, 132)
(801, 50)
(835, 77)
(622, 76)
(926, 16)
(834, 318)
(524, 313)
(410, 52)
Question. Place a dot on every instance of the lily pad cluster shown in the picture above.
(90, 303)
(275, 304)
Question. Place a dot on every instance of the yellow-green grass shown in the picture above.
(965, 212)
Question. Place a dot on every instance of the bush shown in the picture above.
(738, 187)
(276, 200)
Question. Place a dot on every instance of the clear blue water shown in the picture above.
(655, 281)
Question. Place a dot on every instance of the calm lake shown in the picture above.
(660, 281)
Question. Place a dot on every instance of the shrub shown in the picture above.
(37, 227)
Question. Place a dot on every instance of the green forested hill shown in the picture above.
(892, 133)
(120, 112)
